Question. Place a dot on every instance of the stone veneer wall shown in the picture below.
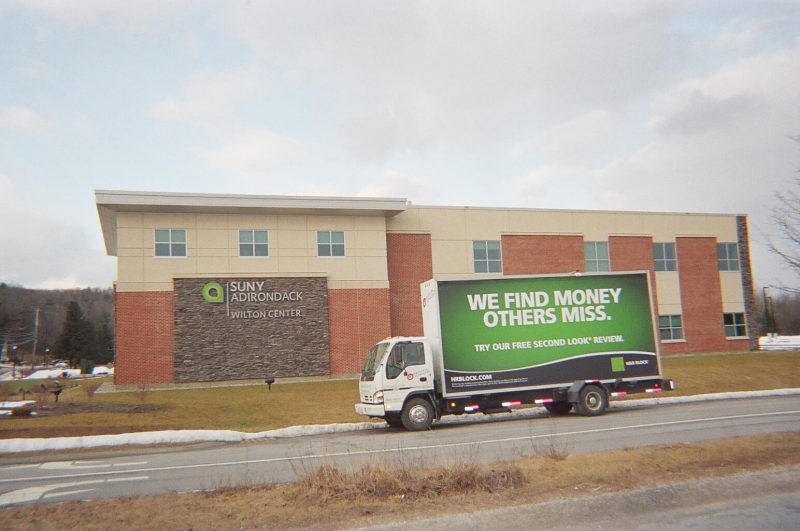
(210, 344)
(747, 279)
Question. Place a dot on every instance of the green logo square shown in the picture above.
(618, 364)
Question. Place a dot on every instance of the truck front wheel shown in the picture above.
(591, 401)
(417, 414)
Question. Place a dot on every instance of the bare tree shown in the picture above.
(787, 218)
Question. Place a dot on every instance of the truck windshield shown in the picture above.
(374, 358)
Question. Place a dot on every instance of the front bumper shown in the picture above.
(370, 410)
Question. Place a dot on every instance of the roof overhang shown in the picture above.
(111, 202)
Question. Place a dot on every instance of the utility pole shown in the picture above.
(35, 337)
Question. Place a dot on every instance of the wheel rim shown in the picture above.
(593, 400)
(418, 414)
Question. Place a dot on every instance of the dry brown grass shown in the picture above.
(249, 408)
(375, 498)
(747, 371)
(382, 481)
(90, 388)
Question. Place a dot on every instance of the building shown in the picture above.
(224, 287)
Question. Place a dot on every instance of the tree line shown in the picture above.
(72, 324)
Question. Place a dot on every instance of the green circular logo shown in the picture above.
(213, 293)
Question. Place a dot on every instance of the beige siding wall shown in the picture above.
(453, 229)
(668, 293)
(213, 249)
(213, 244)
(732, 293)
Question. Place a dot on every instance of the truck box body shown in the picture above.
(512, 333)
(565, 342)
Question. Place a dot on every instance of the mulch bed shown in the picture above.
(53, 409)
(66, 408)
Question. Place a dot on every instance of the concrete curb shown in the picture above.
(614, 509)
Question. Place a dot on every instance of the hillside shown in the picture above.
(18, 309)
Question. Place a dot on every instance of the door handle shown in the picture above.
(423, 379)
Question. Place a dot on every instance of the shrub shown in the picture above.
(382, 481)
(142, 391)
(90, 388)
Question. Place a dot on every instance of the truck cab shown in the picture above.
(397, 383)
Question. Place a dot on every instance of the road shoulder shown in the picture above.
(619, 509)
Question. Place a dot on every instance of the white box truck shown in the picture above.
(492, 344)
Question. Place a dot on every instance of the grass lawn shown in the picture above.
(254, 409)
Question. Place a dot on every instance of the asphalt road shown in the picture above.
(138, 472)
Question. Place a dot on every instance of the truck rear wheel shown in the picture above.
(592, 401)
(417, 414)
(558, 408)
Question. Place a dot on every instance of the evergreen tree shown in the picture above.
(76, 339)
(104, 343)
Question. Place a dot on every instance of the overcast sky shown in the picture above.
(682, 106)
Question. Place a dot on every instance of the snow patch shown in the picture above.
(44, 374)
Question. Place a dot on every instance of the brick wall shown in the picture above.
(358, 318)
(633, 253)
(534, 255)
(701, 299)
(409, 263)
(144, 323)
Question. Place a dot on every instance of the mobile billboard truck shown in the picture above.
(493, 344)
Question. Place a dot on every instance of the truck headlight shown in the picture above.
(377, 398)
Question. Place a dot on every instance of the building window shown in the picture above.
(330, 243)
(664, 257)
(596, 256)
(170, 242)
(486, 256)
(670, 327)
(253, 243)
(728, 256)
(734, 325)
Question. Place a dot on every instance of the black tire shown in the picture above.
(558, 408)
(417, 415)
(393, 421)
(592, 401)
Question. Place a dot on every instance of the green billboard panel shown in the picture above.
(520, 332)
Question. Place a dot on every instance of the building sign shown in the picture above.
(247, 291)
(242, 328)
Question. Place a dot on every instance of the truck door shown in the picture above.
(408, 368)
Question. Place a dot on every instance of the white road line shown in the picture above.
(64, 493)
(35, 493)
(400, 450)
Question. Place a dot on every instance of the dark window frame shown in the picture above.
(487, 256)
(670, 327)
(665, 256)
(592, 259)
